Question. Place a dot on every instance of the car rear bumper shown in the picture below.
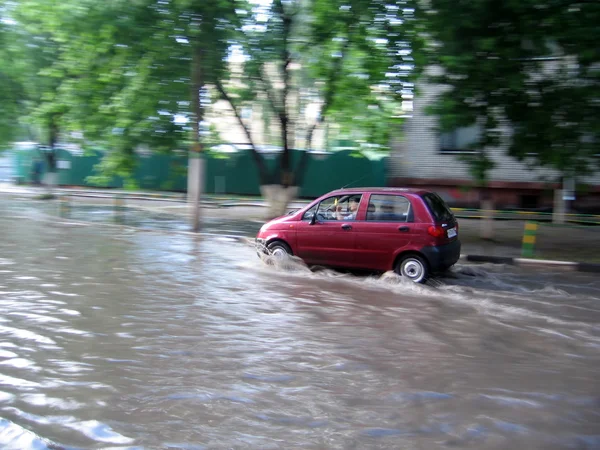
(442, 256)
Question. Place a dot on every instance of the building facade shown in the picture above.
(429, 159)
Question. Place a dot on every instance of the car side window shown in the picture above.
(309, 213)
(327, 208)
(338, 207)
(347, 206)
(388, 208)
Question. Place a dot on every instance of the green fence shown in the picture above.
(226, 173)
(72, 169)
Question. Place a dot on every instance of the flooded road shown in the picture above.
(117, 338)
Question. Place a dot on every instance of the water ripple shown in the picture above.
(117, 338)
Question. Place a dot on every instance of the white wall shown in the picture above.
(419, 155)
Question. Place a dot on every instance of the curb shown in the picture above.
(567, 265)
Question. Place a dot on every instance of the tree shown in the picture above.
(119, 72)
(126, 69)
(531, 65)
(58, 39)
(362, 49)
(27, 56)
(342, 55)
(10, 86)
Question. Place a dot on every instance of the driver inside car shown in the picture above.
(351, 215)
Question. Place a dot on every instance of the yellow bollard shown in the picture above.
(529, 236)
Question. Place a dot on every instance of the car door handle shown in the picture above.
(346, 227)
(404, 229)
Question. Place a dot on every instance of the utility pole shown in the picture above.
(196, 169)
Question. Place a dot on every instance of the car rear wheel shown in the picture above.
(413, 267)
(279, 250)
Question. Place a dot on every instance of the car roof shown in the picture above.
(380, 190)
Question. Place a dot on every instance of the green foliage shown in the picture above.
(9, 90)
(479, 165)
(345, 60)
(355, 61)
(533, 65)
(114, 74)
(117, 72)
(113, 164)
(212, 137)
(21, 58)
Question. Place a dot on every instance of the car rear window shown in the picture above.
(438, 207)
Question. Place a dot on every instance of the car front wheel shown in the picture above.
(414, 268)
(279, 249)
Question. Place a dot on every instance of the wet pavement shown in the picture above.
(144, 336)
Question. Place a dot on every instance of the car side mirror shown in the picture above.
(313, 219)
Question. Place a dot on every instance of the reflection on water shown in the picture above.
(116, 338)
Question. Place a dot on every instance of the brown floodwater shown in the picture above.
(118, 338)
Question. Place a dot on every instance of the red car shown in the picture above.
(410, 231)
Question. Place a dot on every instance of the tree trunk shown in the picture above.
(263, 175)
(196, 164)
(276, 195)
(278, 198)
(563, 198)
(487, 222)
(50, 155)
(559, 209)
(487, 210)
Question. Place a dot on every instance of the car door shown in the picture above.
(387, 228)
(326, 240)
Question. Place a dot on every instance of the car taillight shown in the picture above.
(436, 231)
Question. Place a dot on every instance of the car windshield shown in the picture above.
(438, 207)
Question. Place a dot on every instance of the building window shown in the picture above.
(459, 140)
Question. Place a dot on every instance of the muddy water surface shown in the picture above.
(117, 338)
